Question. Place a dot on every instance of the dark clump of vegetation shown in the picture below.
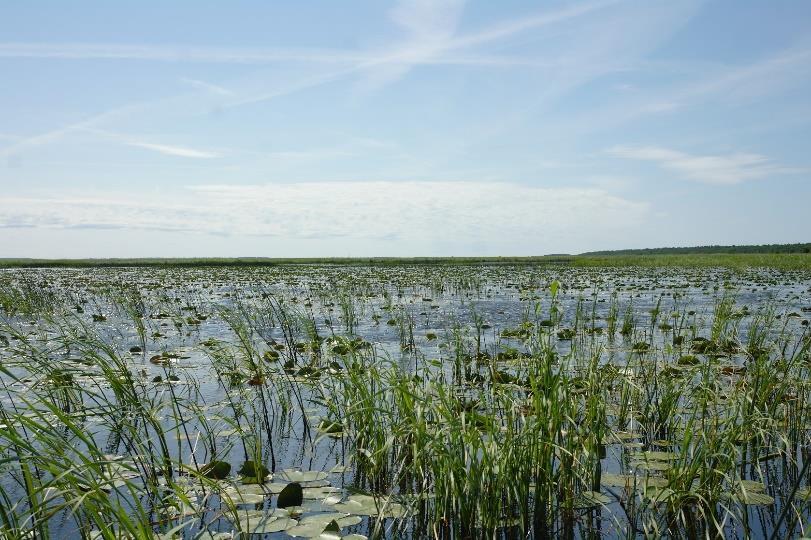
(715, 249)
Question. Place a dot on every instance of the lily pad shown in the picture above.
(253, 469)
(292, 495)
(241, 495)
(660, 456)
(320, 492)
(216, 470)
(755, 499)
(315, 525)
(617, 480)
(589, 499)
(751, 485)
(367, 505)
(258, 522)
(651, 465)
(804, 493)
(292, 475)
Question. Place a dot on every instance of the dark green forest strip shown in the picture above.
(782, 261)
(713, 250)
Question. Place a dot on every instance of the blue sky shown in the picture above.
(403, 128)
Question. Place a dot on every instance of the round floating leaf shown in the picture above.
(617, 480)
(656, 482)
(291, 495)
(660, 456)
(292, 475)
(316, 525)
(751, 485)
(651, 465)
(754, 498)
(261, 522)
(266, 525)
(320, 492)
(217, 470)
(662, 444)
(589, 499)
(245, 495)
(251, 480)
(330, 427)
(252, 469)
(366, 505)
(804, 493)
(208, 535)
(657, 494)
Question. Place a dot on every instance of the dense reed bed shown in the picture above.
(423, 401)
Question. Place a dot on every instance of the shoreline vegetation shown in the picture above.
(781, 261)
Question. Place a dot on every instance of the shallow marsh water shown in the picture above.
(422, 401)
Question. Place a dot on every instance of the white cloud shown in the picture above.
(208, 87)
(179, 151)
(429, 21)
(464, 213)
(430, 24)
(432, 39)
(740, 84)
(729, 86)
(166, 149)
(172, 53)
(711, 169)
(206, 55)
(55, 134)
(509, 28)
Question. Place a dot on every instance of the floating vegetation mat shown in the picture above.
(439, 401)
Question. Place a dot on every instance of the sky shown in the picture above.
(409, 128)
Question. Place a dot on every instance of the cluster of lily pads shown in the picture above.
(316, 401)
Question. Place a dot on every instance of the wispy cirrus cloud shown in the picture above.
(173, 53)
(207, 86)
(428, 25)
(431, 39)
(727, 169)
(165, 149)
(178, 151)
(259, 56)
(767, 76)
(24, 143)
(727, 85)
(456, 212)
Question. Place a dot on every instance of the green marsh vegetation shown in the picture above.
(784, 257)
(418, 401)
(739, 261)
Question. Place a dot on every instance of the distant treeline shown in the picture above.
(764, 248)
